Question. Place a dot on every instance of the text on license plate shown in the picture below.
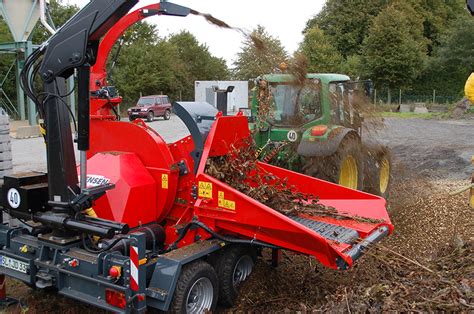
(14, 264)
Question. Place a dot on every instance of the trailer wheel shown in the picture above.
(233, 267)
(196, 290)
(150, 116)
(167, 115)
(377, 177)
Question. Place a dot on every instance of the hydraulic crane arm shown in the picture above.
(75, 48)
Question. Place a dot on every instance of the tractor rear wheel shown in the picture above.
(378, 169)
(196, 290)
(233, 266)
(344, 167)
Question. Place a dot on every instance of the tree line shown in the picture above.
(415, 45)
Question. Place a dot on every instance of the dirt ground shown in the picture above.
(426, 265)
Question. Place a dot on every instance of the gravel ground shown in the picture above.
(30, 154)
(439, 149)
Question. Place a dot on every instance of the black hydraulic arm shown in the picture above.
(73, 47)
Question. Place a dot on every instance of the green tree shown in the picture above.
(260, 54)
(448, 70)
(148, 69)
(6, 60)
(198, 63)
(352, 66)
(393, 57)
(322, 55)
(61, 12)
(346, 22)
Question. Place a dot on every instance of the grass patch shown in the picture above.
(412, 115)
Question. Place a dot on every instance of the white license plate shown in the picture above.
(14, 264)
(135, 113)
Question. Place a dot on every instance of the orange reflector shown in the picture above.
(115, 298)
(319, 130)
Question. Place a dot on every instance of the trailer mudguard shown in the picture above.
(321, 146)
(166, 272)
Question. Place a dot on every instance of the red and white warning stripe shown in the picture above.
(134, 268)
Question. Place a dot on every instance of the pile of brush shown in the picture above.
(239, 169)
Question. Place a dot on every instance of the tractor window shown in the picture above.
(336, 96)
(295, 105)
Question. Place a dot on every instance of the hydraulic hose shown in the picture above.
(199, 224)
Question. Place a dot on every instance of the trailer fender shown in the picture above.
(168, 268)
(321, 146)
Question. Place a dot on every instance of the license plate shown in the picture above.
(135, 113)
(14, 264)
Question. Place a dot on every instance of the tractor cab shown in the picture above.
(295, 105)
(315, 127)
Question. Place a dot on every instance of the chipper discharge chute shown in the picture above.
(140, 223)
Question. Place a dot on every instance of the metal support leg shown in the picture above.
(19, 92)
(31, 105)
(276, 257)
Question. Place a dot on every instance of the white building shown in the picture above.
(238, 98)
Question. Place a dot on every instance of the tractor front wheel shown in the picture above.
(196, 290)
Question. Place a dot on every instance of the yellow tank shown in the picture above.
(469, 88)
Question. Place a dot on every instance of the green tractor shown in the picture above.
(315, 127)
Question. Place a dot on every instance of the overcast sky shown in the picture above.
(282, 19)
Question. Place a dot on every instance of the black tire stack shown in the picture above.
(6, 164)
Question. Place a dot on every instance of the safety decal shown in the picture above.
(222, 202)
(164, 181)
(205, 189)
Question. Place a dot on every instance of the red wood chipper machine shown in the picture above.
(139, 223)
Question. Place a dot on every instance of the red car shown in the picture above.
(150, 107)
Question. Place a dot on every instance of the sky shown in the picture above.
(284, 20)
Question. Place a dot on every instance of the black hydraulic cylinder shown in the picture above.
(65, 222)
(83, 120)
(154, 237)
(118, 226)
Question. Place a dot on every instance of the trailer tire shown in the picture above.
(197, 280)
(233, 266)
(378, 172)
(344, 167)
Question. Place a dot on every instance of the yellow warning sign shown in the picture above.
(222, 202)
(164, 181)
(205, 189)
